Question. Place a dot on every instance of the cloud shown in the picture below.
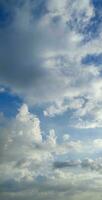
(23, 143)
(51, 138)
(30, 162)
(42, 46)
(44, 64)
(66, 137)
(71, 163)
(97, 143)
(2, 89)
(85, 163)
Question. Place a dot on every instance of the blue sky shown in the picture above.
(50, 99)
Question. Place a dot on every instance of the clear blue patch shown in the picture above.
(93, 28)
(6, 14)
(97, 4)
(91, 59)
(9, 104)
(40, 9)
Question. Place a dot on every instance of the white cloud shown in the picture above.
(27, 160)
(32, 121)
(2, 90)
(51, 138)
(61, 106)
(66, 137)
(22, 138)
(97, 143)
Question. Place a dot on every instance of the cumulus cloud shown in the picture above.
(30, 161)
(24, 135)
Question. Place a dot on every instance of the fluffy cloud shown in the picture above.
(24, 135)
(27, 160)
(34, 124)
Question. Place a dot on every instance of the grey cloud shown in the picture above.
(25, 44)
(70, 163)
(49, 190)
(86, 163)
(40, 57)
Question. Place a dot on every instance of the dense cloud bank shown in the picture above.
(45, 43)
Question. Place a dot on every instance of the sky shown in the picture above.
(50, 99)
